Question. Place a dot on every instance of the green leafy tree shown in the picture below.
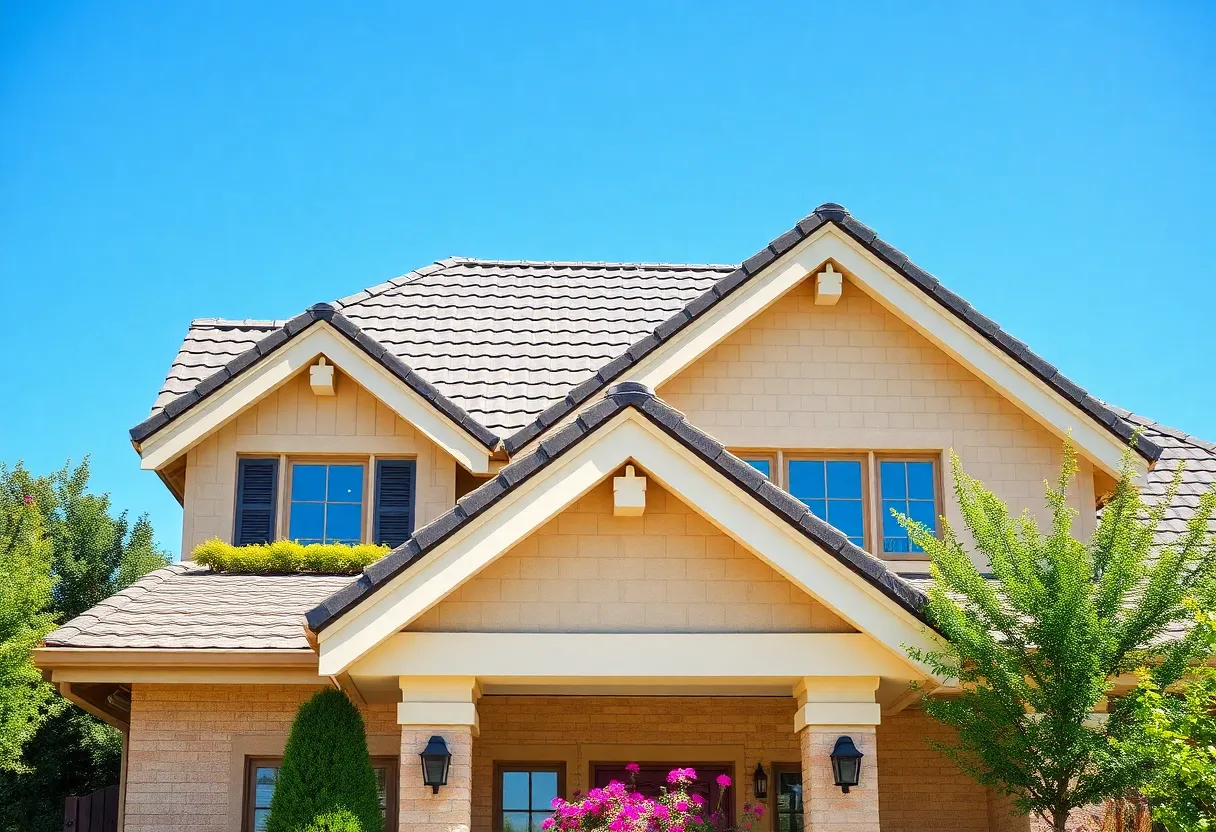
(90, 552)
(25, 617)
(1036, 648)
(1179, 739)
(326, 768)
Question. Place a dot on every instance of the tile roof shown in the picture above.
(183, 606)
(518, 345)
(619, 397)
(276, 338)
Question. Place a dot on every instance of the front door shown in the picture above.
(653, 777)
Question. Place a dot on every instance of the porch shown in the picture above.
(524, 748)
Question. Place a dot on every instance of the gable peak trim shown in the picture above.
(317, 313)
(838, 215)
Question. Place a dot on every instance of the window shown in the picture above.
(832, 489)
(909, 487)
(523, 794)
(262, 773)
(787, 797)
(326, 503)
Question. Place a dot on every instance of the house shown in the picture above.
(640, 513)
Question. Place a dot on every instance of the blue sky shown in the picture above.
(1053, 163)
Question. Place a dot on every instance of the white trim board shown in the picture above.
(277, 368)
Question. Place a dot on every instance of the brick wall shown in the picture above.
(293, 420)
(583, 730)
(187, 747)
(669, 570)
(920, 789)
(854, 376)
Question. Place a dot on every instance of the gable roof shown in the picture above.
(516, 346)
(832, 213)
(619, 398)
(277, 338)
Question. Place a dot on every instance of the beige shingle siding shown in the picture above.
(293, 411)
(667, 571)
(855, 376)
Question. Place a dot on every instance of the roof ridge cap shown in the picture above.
(637, 264)
(246, 323)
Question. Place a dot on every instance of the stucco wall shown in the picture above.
(294, 421)
(669, 570)
(855, 377)
(188, 743)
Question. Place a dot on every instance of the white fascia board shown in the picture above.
(629, 436)
(320, 339)
(927, 317)
(578, 657)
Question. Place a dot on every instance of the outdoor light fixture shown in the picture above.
(846, 763)
(435, 762)
(760, 783)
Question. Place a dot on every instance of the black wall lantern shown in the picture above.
(846, 763)
(435, 762)
(760, 783)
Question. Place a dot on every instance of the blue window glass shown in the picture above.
(764, 466)
(908, 488)
(326, 503)
(831, 488)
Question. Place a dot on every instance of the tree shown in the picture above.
(325, 768)
(25, 599)
(1035, 649)
(1180, 739)
(90, 553)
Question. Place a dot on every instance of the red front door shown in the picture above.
(653, 777)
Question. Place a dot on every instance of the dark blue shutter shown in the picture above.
(394, 501)
(257, 485)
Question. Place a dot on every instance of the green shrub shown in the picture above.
(343, 820)
(286, 557)
(326, 769)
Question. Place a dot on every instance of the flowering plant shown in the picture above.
(622, 808)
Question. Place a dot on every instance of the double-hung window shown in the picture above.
(833, 490)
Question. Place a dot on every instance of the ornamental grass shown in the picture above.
(286, 557)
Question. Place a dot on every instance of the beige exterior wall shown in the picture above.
(855, 377)
(188, 744)
(667, 571)
(580, 731)
(292, 420)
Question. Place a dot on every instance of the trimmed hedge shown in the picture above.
(326, 769)
(286, 557)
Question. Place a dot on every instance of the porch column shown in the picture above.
(829, 708)
(446, 707)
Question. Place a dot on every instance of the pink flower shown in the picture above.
(619, 824)
(546, 824)
(676, 828)
(697, 800)
(681, 775)
(29, 500)
(758, 810)
(681, 805)
(662, 812)
(633, 768)
(723, 781)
